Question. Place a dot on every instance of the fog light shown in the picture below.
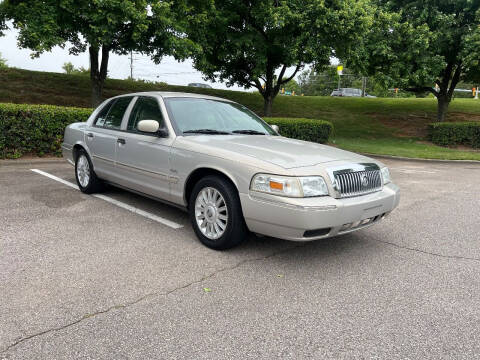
(346, 226)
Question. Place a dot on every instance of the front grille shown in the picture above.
(354, 183)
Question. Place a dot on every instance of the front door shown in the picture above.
(143, 159)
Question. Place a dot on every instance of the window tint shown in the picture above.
(115, 115)
(100, 120)
(146, 108)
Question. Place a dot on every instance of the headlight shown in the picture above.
(385, 175)
(306, 186)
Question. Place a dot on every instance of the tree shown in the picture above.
(423, 46)
(101, 27)
(68, 68)
(265, 43)
(72, 70)
(3, 62)
(292, 86)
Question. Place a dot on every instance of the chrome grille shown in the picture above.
(354, 183)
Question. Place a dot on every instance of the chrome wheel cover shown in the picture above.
(83, 170)
(211, 213)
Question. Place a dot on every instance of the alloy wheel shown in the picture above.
(211, 213)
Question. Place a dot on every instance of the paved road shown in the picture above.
(82, 278)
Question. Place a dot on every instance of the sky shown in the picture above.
(169, 70)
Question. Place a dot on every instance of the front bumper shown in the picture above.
(316, 218)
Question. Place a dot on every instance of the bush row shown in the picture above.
(35, 129)
(38, 129)
(455, 133)
(303, 129)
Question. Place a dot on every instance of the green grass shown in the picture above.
(375, 126)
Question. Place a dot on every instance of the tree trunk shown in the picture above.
(267, 105)
(442, 107)
(97, 88)
(98, 75)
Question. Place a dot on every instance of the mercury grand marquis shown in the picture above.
(228, 168)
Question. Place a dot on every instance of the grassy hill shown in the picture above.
(377, 126)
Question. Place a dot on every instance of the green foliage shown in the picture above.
(253, 43)
(35, 129)
(418, 44)
(117, 26)
(303, 129)
(72, 70)
(68, 68)
(38, 129)
(362, 125)
(455, 133)
(3, 62)
(291, 86)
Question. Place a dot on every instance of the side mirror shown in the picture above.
(150, 126)
(276, 128)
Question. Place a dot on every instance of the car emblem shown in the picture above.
(364, 181)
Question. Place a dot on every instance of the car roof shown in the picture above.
(172, 94)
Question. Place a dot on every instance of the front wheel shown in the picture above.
(87, 180)
(216, 213)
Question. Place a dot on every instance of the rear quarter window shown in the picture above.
(102, 115)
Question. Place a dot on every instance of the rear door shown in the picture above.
(102, 136)
(143, 159)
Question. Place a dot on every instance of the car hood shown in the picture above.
(277, 150)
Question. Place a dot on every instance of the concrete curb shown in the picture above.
(33, 161)
(392, 157)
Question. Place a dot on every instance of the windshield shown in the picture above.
(195, 115)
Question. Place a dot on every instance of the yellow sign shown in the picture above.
(340, 69)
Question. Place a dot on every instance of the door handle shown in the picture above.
(90, 135)
(121, 141)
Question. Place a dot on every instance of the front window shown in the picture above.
(193, 115)
(145, 108)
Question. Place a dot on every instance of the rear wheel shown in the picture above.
(87, 180)
(216, 213)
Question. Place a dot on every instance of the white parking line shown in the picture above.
(120, 204)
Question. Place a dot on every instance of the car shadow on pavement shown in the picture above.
(337, 246)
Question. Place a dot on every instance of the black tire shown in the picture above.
(236, 230)
(94, 184)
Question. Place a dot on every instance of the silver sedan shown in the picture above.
(232, 172)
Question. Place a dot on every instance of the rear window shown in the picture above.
(115, 115)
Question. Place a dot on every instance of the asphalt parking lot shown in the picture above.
(83, 278)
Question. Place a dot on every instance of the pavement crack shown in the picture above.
(428, 252)
(149, 295)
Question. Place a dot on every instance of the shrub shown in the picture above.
(303, 129)
(454, 133)
(38, 129)
(35, 129)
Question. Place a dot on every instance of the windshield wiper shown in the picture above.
(206, 131)
(248, 132)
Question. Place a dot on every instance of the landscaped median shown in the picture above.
(38, 129)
